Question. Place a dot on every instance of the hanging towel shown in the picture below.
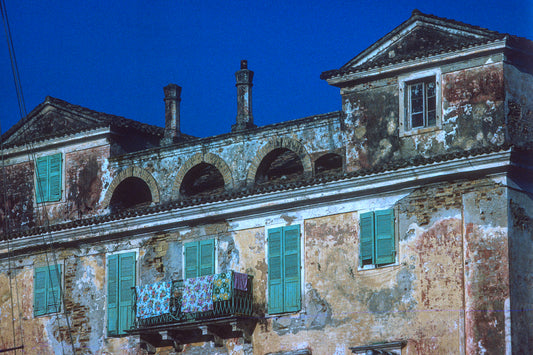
(197, 294)
(153, 300)
(241, 281)
(222, 286)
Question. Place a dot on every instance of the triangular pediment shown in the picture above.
(51, 118)
(419, 37)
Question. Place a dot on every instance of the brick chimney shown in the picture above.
(245, 119)
(172, 114)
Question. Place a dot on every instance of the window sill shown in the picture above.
(417, 131)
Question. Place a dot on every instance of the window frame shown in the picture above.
(49, 183)
(405, 114)
(377, 235)
(40, 293)
(119, 331)
(293, 283)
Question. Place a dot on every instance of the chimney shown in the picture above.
(245, 119)
(172, 114)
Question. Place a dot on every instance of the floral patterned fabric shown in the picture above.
(198, 294)
(222, 286)
(153, 300)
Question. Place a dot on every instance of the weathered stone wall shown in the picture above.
(16, 197)
(473, 106)
(519, 104)
(521, 267)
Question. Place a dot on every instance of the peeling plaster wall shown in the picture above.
(473, 106)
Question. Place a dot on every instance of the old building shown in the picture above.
(401, 224)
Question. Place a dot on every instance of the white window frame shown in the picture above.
(403, 94)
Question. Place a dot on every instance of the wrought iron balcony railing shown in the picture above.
(181, 307)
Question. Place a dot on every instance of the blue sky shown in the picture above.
(116, 56)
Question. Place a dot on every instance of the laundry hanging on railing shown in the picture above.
(222, 286)
(198, 294)
(241, 281)
(153, 300)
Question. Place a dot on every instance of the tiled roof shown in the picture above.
(89, 119)
(260, 189)
(429, 37)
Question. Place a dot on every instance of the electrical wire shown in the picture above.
(31, 153)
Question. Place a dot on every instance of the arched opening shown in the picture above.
(279, 164)
(202, 179)
(132, 192)
(328, 164)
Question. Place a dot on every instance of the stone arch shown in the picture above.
(129, 172)
(328, 163)
(197, 159)
(277, 143)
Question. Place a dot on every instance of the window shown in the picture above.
(419, 102)
(120, 294)
(47, 290)
(421, 99)
(284, 269)
(48, 178)
(377, 245)
(199, 258)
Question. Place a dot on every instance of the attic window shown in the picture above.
(130, 193)
(202, 179)
(328, 164)
(279, 164)
(420, 102)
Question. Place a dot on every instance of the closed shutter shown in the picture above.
(41, 190)
(291, 266)
(207, 257)
(112, 295)
(54, 177)
(385, 244)
(191, 260)
(48, 178)
(40, 279)
(127, 282)
(366, 240)
(53, 298)
(275, 268)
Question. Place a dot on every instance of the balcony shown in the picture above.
(207, 308)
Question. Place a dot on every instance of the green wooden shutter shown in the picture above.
(291, 268)
(207, 257)
(191, 260)
(40, 279)
(127, 282)
(366, 238)
(54, 177)
(275, 268)
(385, 244)
(112, 294)
(41, 190)
(53, 288)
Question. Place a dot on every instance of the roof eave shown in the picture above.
(339, 80)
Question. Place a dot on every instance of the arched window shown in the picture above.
(279, 164)
(202, 179)
(130, 193)
(328, 163)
